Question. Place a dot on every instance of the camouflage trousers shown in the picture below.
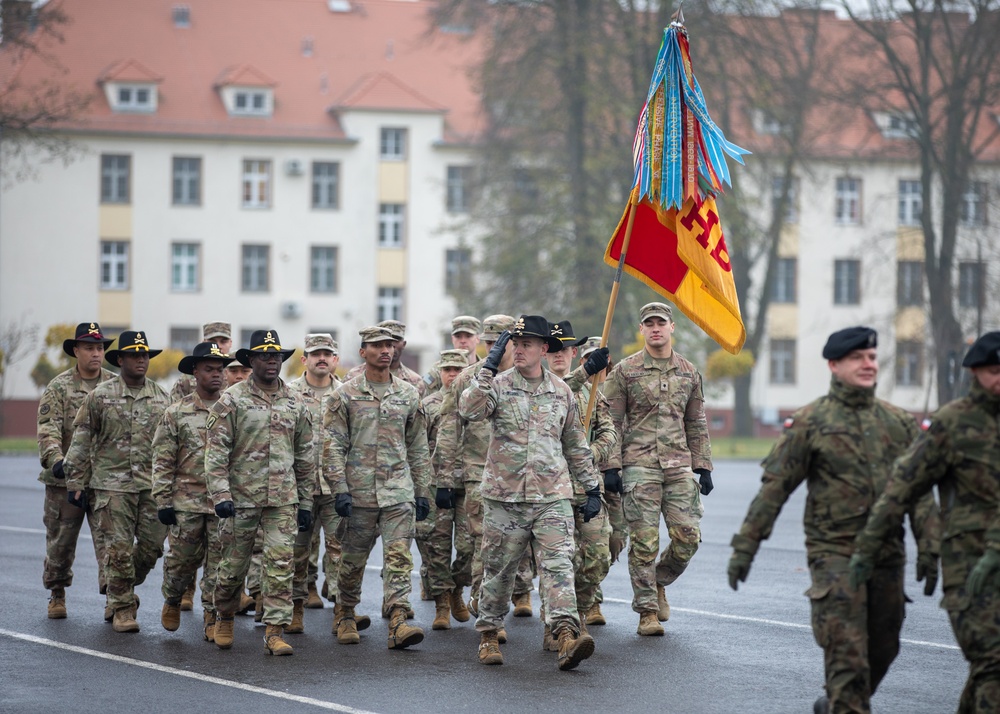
(133, 541)
(648, 493)
(511, 531)
(857, 629)
(976, 624)
(278, 524)
(256, 563)
(62, 530)
(469, 519)
(592, 559)
(395, 525)
(193, 541)
(434, 539)
(307, 543)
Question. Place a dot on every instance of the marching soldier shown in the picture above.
(220, 333)
(399, 370)
(465, 331)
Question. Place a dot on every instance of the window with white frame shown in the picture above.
(970, 283)
(114, 265)
(115, 178)
(390, 225)
(256, 259)
(457, 270)
(784, 288)
(184, 267)
(846, 282)
(252, 102)
(782, 361)
(323, 269)
(792, 206)
(910, 203)
(135, 98)
(848, 201)
(910, 283)
(392, 144)
(325, 184)
(186, 181)
(390, 304)
(458, 189)
(974, 204)
(909, 363)
(183, 339)
(256, 183)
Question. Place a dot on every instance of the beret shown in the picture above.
(841, 342)
(984, 352)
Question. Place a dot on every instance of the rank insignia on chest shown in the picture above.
(788, 423)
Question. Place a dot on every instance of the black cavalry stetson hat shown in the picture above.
(536, 326)
(203, 351)
(262, 341)
(86, 332)
(563, 331)
(133, 342)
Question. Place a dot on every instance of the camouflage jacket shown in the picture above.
(179, 457)
(315, 399)
(843, 446)
(432, 412)
(57, 409)
(184, 386)
(432, 382)
(537, 439)
(460, 451)
(659, 415)
(960, 452)
(603, 436)
(112, 446)
(401, 372)
(376, 448)
(260, 448)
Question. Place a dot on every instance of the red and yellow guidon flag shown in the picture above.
(682, 255)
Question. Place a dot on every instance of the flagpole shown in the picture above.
(633, 201)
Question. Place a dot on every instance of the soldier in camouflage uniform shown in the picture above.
(434, 534)
(960, 453)
(658, 408)
(536, 443)
(57, 408)
(465, 331)
(398, 369)
(221, 333)
(261, 472)
(377, 463)
(843, 445)
(112, 453)
(181, 491)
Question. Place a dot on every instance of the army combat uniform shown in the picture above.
(434, 534)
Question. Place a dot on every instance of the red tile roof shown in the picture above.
(244, 75)
(129, 71)
(385, 91)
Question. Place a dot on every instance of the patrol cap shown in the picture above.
(453, 358)
(376, 333)
(984, 352)
(656, 309)
(86, 332)
(466, 323)
(321, 341)
(395, 327)
(203, 351)
(494, 325)
(589, 345)
(842, 342)
(216, 329)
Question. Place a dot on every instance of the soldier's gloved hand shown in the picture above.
(613, 481)
(342, 505)
(593, 505)
(705, 481)
(597, 361)
(983, 575)
(226, 509)
(305, 520)
(77, 498)
(616, 544)
(495, 355)
(739, 568)
(167, 516)
(423, 508)
(927, 567)
(444, 498)
(860, 569)
(57, 470)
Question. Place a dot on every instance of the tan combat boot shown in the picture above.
(223, 632)
(187, 599)
(583, 622)
(442, 612)
(489, 649)
(258, 607)
(170, 616)
(549, 643)
(663, 611)
(209, 626)
(296, 627)
(458, 608)
(502, 635)
(573, 650)
(344, 625)
(57, 604)
(649, 626)
(247, 603)
(474, 606)
(595, 616)
(522, 604)
(401, 634)
(109, 613)
(124, 620)
(275, 645)
(312, 599)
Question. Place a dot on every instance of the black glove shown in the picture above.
(423, 508)
(167, 516)
(226, 509)
(493, 359)
(613, 481)
(593, 505)
(705, 479)
(444, 498)
(78, 502)
(597, 361)
(57, 470)
(305, 520)
(342, 505)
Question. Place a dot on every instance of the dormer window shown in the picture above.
(251, 101)
(246, 91)
(130, 87)
(896, 125)
(135, 98)
(766, 123)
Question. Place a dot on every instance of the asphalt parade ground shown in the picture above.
(724, 651)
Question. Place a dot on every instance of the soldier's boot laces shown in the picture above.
(583, 622)
(344, 625)
(57, 604)
(442, 612)
(296, 627)
(223, 632)
(275, 645)
(209, 626)
(549, 643)
(247, 603)
(313, 601)
(258, 607)
(595, 616)
(170, 616)
(489, 648)
(522, 604)
(649, 626)
(187, 599)
(573, 650)
(458, 608)
(124, 620)
(663, 611)
(401, 634)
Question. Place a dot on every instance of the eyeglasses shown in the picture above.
(267, 357)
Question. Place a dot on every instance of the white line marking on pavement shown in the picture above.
(778, 623)
(35, 531)
(332, 706)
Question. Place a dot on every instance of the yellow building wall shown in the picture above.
(391, 267)
(114, 308)
(115, 221)
(783, 321)
(392, 182)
